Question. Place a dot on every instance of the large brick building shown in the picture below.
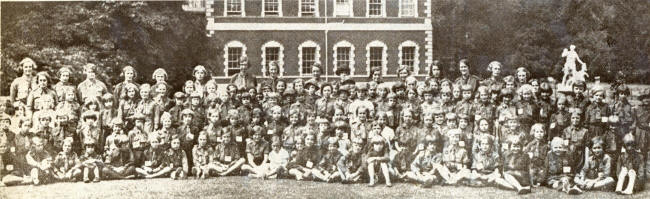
(298, 33)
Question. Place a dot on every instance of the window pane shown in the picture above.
(374, 7)
(408, 56)
(308, 7)
(343, 56)
(342, 8)
(272, 54)
(376, 56)
(308, 59)
(233, 7)
(271, 7)
(234, 53)
(408, 8)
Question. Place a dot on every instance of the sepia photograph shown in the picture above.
(325, 99)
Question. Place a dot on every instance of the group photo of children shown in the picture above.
(512, 131)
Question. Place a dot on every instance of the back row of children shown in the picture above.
(501, 132)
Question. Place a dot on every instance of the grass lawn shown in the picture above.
(242, 187)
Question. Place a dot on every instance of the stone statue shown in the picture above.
(571, 74)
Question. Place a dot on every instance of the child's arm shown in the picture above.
(185, 163)
(251, 159)
(31, 161)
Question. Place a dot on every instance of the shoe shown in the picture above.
(96, 180)
(129, 177)
(372, 184)
(36, 181)
(574, 191)
(389, 185)
(525, 190)
(86, 180)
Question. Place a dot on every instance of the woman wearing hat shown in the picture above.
(21, 86)
(129, 74)
(64, 83)
(91, 87)
(201, 77)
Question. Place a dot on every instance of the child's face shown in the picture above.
(299, 145)
(144, 93)
(276, 147)
(485, 146)
(226, 138)
(431, 147)
(130, 93)
(257, 137)
(45, 121)
(510, 85)
(294, 119)
(178, 101)
(107, 103)
(363, 115)
(377, 146)
(558, 149)
(412, 94)
(407, 118)
(323, 126)
(117, 128)
(167, 123)
(214, 118)
(521, 76)
(575, 120)
(69, 96)
(578, 90)
(526, 95)
(339, 114)
(428, 121)
(187, 118)
(92, 106)
(538, 133)
(445, 97)
(483, 125)
(339, 132)
(327, 91)
(140, 123)
(4, 124)
(454, 139)
(451, 124)
(467, 95)
(67, 147)
(561, 106)
(195, 101)
(331, 147)
(381, 120)
(428, 97)
(255, 119)
(439, 119)
(597, 149)
(391, 102)
(90, 149)
(598, 97)
(189, 88)
(309, 141)
(545, 95)
(203, 140)
(211, 88)
(484, 96)
(234, 120)
(154, 143)
(277, 113)
(513, 124)
(456, 93)
(161, 90)
(38, 145)
(463, 123)
(176, 144)
(246, 101)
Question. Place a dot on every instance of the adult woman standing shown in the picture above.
(129, 74)
(495, 78)
(43, 90)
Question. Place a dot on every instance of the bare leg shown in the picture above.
(296, 173)
(630, 185)
(10, 180)
(604, 183)
(371, 174)
(234, 167)
(384, 170)
(621, 180)
(34, 175)
(162, 172)
(512, 181)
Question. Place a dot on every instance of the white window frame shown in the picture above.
(308, 43)
(384, 65)
(415, 8)
(350, 11)
(279, 2)
(231, 44)
(243, 8)
(383, 9)
(344, 43)
(416, 55)
(280, 56)
(194, 5)
(316, 11)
